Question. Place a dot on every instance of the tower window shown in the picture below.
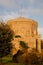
(17, 36)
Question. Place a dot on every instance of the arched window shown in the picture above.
(17, 36)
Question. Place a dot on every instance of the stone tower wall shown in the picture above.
(27, 29)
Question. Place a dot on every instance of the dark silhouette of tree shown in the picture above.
(6, 35)
(20, 56)
(23, 45)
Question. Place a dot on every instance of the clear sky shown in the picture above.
(32, 9)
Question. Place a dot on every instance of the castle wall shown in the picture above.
(27, 29)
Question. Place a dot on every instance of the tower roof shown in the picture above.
(22, 19)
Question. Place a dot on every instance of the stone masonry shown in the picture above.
(27, 29)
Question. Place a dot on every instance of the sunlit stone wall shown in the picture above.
(27, 29)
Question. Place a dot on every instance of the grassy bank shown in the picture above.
(8, 61)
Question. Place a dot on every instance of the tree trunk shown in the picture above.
(1, 63)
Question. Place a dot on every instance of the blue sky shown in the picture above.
(32, 9)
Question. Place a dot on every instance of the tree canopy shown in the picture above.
(6, 35)
(23, 45)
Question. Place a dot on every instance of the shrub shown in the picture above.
(15, 57)
(31, 58)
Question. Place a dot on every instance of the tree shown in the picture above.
(21, 55)
(23, 45)
(6, 35)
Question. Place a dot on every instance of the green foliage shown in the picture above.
(15, 57)
(6, 35)
(20, 56)
(23, 44)
(32, 58)
(35, 58)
